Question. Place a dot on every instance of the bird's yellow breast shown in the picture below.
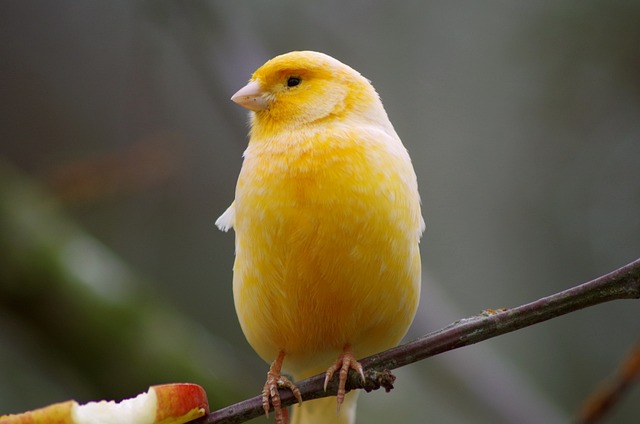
(327, 227)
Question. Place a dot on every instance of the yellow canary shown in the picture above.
(327, 221)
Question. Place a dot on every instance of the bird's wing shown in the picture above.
(227, 219)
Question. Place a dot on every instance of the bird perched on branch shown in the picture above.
(327, 221)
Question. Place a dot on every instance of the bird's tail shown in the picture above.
(323, 411)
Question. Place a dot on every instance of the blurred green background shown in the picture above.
(119, 149)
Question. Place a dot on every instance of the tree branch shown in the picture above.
(599, 403)
(623, 283)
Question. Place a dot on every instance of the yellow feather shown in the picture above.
(327, 219)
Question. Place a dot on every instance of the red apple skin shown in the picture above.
(178, 399)
(58, 413)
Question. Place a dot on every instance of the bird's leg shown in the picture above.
(345, 361)
(275, 380)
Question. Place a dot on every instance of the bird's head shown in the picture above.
(303, 87)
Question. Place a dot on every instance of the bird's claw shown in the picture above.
(344, 362)
(271, 394)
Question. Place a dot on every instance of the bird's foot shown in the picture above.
(345, 361)
(270, 393)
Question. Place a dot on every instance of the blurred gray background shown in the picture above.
(523, 122)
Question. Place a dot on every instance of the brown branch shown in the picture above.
(607, 396)
(623, 283)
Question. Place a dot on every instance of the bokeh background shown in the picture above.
(119, 148)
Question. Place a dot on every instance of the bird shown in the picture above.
(327, 220)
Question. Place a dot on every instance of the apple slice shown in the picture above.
(163, 404)
(59, 413)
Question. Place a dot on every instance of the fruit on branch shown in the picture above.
(163, 404)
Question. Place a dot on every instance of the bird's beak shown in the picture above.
(251, 96)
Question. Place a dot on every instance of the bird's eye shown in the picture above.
(293, 81)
